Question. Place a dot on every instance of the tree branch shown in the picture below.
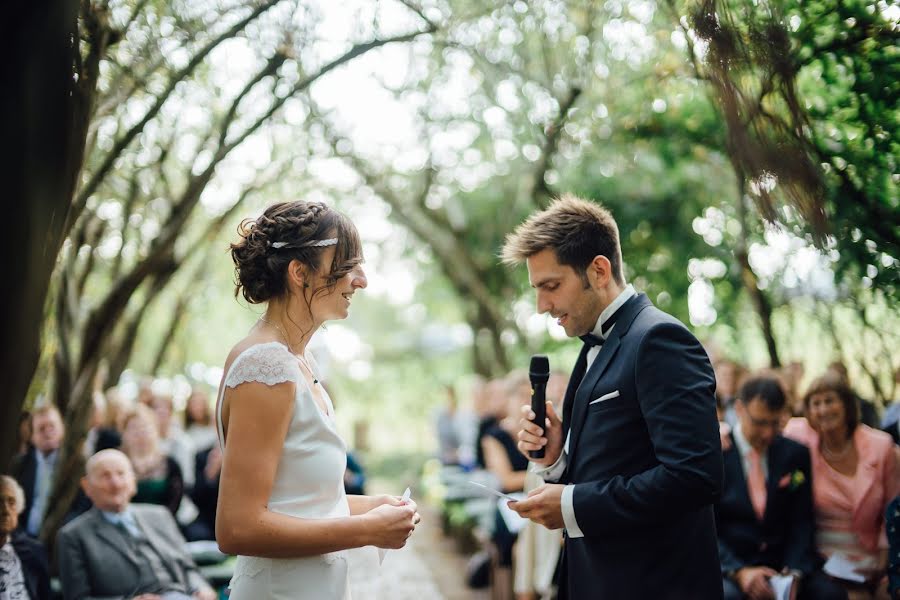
(540, 191)
(456, 262)
(107, 164)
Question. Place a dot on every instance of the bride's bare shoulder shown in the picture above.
(243, 345)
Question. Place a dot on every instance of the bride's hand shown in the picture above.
(386, 499)
(399, 501)
(391, 525)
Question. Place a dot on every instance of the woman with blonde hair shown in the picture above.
(159, 478)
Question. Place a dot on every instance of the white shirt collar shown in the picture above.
(743, 446)
(48, 459)
(114, 517)
(623, 297)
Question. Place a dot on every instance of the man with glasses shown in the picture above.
(764, 518)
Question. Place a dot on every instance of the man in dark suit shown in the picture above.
(765, 518)
(637, 452)
(34, 470)
(119, 549)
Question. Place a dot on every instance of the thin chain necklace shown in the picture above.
(835, 456)
(299, 357)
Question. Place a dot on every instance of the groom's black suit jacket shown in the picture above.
(646, 465)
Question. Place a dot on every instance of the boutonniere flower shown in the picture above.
(792, 480)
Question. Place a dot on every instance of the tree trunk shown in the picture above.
(39, 106)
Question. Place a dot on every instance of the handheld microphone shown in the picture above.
(539, 373)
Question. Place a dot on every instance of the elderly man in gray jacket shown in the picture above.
(124, 550)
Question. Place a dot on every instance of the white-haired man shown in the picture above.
(24, 571)
(124, 550)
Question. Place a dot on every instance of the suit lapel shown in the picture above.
(630, 311)
(114, 538)
(572, 389)
(735, 464)
(774, 458)
(582, 396)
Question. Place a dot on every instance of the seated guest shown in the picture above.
(35, 469)
(764, 517)
(508, 465)
(855, 474)
(173, 441)
(354, 476)
(119, 549)
(537, 548)
(205, 495)
(490, 406)
(159, 478)
(728, 375)
(868, 413)
(24, 572)
(446, 427)
(101, 435)
(792, 376)
(198, 418)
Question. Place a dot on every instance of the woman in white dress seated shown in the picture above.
(282, 506)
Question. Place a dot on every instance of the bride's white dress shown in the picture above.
(309, 484)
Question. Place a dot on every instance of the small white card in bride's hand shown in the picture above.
(383, 551)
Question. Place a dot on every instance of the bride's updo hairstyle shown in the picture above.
(284, 233)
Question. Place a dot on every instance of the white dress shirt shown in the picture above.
(744, 447)
(43, 481)
(555, 471)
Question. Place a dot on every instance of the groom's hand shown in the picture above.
(543, 506)
(533, 437)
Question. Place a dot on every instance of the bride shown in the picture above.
(282, 506)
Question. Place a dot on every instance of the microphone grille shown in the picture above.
(540, 365)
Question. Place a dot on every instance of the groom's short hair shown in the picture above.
(576, 229)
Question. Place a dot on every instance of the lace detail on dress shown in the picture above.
(249, 566)
(268, 363)
(332, 557)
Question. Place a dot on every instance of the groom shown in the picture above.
(636, 455)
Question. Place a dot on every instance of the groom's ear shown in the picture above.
(599, 272)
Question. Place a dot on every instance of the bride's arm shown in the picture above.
(258, 420)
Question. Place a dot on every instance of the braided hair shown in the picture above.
(269, 243)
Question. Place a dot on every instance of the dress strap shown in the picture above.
(268, 363)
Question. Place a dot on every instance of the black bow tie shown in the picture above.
(591, 340)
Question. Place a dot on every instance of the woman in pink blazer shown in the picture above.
(855, 476)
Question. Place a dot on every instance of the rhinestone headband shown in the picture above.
(314, 243)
